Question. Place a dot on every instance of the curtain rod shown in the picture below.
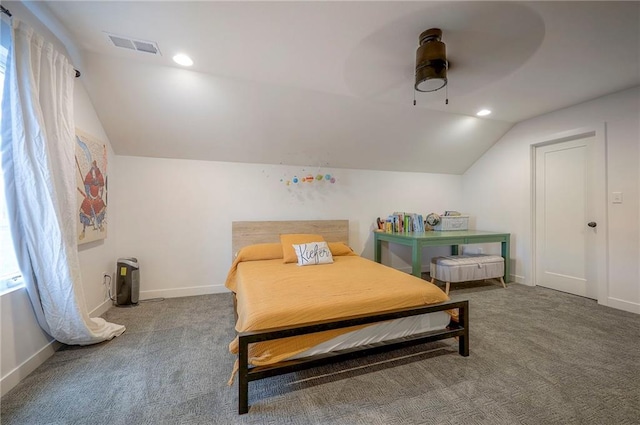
(8, 13)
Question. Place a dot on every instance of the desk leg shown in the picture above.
(377, 250)
(416, 259)
(506, 249)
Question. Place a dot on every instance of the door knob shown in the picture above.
(592, 224)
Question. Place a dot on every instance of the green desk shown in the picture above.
(453, 238)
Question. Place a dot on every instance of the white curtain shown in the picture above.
(38, 161)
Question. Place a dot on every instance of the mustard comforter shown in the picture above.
(272, 294)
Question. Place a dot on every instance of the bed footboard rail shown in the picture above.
(247, 374)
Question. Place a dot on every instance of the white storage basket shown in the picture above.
(459, 222)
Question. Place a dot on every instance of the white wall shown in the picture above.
(496, 189)
(175, 215)
(24, 346)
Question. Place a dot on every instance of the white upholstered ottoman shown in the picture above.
(463, 268)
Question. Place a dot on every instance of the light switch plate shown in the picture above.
(617, 197)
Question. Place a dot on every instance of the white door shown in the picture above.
(565, 217)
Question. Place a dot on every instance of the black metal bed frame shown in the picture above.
(247, 374)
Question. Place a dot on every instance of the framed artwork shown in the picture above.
(91, 164)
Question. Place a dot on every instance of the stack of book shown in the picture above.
(402, 222)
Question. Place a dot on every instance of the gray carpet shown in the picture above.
(537, 357)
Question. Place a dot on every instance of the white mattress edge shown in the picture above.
(392, 329)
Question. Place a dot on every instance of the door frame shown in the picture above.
(599, 168)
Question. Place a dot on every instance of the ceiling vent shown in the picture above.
(134, 44)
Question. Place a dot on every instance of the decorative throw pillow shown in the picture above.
(289, 239)
(340, 248)
(260, 251)
(313, 253)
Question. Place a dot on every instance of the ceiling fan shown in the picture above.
(431, 61)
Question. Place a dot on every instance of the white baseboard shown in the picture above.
(623, 305)
(518, 279)
(12, 378)
(183, 292)
(101, 309)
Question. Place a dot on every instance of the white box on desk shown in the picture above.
(453, 222)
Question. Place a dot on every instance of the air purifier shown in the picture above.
(127, 282)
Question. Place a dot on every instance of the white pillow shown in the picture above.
(313, 253)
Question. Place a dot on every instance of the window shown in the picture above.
(9, 272)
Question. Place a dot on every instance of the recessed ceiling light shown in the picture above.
(183, 60)
(483, 112)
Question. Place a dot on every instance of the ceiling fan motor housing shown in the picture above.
(431, 61)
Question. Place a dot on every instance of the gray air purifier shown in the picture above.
(127, 282)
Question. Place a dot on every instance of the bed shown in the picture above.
(291, 318)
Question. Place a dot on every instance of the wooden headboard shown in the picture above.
(245, 233)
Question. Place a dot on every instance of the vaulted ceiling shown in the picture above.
(331, 83)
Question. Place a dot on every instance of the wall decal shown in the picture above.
(303, 179)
